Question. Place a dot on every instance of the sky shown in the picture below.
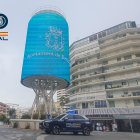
(85, 17)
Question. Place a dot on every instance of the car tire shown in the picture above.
(86, 131)
(75, 133)
(56, 130)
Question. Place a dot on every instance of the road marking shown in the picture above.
(41, 137)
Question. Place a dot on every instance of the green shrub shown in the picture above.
(43, 116)
(2, 117)
(15, 125)
(26, 116)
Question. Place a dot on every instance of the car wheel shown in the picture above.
(86, 131)
(56, 130)
(47, 131)
(75, 133)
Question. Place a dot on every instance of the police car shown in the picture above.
(67, 123)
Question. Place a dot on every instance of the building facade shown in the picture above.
(20, 111)
(61, 93)
(105, 69)
(4, 108)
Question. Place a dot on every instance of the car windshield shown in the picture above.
(59, 117)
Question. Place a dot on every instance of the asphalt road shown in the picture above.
(93, 136)
(17, 134)
(20, 134)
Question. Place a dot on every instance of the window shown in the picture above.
(108, 86)
(133, 24)
(110, 95)
(78, 117)
(93, 38)
(111, 104)
(59, 117)
(118, 59)
(125, 93)
(105, 62)
(100, 35)
(70, 117)
(100, 103)
(81, 61)
(127, 57)
(124, 83)
(136, 93)
(103, 33)
(84, 105)
(137, 55)
(136, 102)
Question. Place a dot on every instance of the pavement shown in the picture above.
(7, 133)
(94, 136)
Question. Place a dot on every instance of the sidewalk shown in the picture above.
(5, 126)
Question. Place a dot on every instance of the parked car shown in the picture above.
(67, 123)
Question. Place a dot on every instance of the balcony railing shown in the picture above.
(96, 74)
(89, 68)
(123, 97)
(118, 40)
(105, 57)
(119, 87)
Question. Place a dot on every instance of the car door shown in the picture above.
(68, 123)
(78, 122)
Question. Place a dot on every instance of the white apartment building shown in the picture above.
(20, 111)
(61, 93)
(105, 69)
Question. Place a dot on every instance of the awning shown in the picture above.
(135, 117)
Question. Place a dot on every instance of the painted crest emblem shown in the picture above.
(54, 39)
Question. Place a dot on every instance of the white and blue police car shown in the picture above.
(67, 123)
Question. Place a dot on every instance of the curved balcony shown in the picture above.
(117, 41)
(117, 88)
(114, 40)
(109, 72)
(123, 98)
(86, 93)
(117, 80)
(100, 61)
(103, 81)
(87, 69)
(80, 101)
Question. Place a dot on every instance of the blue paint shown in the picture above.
(47, 47)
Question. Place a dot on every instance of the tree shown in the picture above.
(64, 100)
(2, 117)
(12, 113)
(35, 116)
(26, 116)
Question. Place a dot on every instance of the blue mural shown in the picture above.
(47, 47)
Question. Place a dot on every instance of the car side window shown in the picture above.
(70, 117)
(78, 117)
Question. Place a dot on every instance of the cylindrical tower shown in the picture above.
(46, 58)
